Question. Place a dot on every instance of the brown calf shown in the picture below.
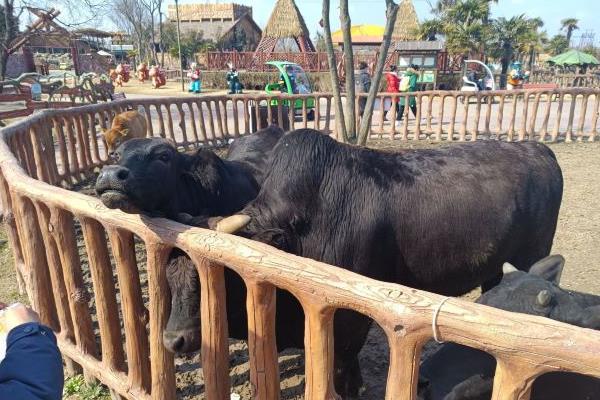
(126, 125)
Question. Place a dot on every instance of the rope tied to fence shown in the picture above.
(434, 327)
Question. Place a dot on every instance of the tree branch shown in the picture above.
(350, 111)
(365, 124)
(335, 80)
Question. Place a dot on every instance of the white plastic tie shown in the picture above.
(434, 327)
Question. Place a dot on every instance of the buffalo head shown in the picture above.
(144, 178)
(538, 293)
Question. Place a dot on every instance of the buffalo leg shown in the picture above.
(350, 333)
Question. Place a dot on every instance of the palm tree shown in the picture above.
(569, 25)
(505, 38)
(557, 45)
(465, 27)
(429, 29)
(533, 42)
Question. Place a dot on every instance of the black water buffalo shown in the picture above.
(442, 220)
(456, 372)
(153, 178)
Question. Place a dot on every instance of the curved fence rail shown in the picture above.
(92, 295)
(544, 115)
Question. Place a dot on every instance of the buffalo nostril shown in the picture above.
(123, 174)
(178, 344)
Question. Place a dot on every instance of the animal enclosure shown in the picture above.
(48, 152)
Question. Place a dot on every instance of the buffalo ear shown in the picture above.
(124, 132)
(549, 268)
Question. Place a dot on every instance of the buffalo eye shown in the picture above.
(543, 298)
(164, 157)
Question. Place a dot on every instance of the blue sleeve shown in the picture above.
(32, 368)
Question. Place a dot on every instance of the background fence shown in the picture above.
(75, 286)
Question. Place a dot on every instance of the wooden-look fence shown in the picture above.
(61, 147)
(544, 115)
(566, 80)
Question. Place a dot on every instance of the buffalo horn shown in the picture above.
(507, 268)
(232, 224)
(543, 298)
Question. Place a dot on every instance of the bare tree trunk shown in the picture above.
(365, 123)
(350, 111)
(335, 80)
(153, 38)
(140, 48)
(160, 35)
(10, 31)
(152, 5)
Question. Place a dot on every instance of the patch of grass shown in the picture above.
(9, 291)
(77, 389)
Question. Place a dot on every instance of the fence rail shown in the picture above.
(61, 147)
(566, 80)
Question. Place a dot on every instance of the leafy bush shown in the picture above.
(76, 388)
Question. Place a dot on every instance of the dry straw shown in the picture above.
(286, 21)
(407, 23)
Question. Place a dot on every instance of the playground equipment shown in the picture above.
(475, 85)
(292, 80)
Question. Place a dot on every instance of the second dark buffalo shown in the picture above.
(443, 220)
(456, 372)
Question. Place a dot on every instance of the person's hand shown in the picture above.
(16, 314)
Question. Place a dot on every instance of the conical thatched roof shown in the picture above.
(407, 22)
(286, 21)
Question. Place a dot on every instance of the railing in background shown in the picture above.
(60, 147)
(543, 115)
(567, 80)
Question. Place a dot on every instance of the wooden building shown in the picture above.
(230, 25)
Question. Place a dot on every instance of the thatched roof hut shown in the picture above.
(407, 23)
(285, 22)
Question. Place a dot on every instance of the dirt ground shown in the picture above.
(577, 238)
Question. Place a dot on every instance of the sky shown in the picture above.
(373, 12)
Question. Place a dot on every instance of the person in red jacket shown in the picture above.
(393, 86)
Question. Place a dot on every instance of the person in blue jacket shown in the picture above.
(32, 366)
